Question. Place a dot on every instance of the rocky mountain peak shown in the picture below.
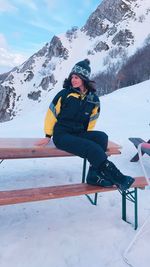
(109, 12)
(108, 38)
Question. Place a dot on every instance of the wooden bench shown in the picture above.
(60, 191)
(14, 148)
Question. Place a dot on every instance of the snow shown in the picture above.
(81, 46)
(71, 232)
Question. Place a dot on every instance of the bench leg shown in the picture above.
(93, 202)
(84, 170)
(124, 207)
(131, 196)
(136, 210)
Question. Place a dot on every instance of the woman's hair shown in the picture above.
(89, 85)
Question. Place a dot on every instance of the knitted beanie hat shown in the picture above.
(82, 69)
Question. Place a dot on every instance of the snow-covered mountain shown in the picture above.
(112, 33)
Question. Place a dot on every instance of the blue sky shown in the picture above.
(26, 25)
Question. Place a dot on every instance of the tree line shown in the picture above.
(133, 70)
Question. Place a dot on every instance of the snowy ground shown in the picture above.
(71, 232)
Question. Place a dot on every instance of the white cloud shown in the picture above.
(8, 58)
(41, 24)
(55, 28)
(61, 20)
(51, 4)
(3, 42)
(6, 6)
(87, 3)
(28, 3)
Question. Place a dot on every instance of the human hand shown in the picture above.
(43, 141)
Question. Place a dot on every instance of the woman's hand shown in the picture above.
(43, 141)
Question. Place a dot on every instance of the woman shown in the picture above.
(71, 118)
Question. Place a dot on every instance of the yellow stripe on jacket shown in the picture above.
(51, 117)
(93, 118)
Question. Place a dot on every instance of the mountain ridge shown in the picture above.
(113, 25)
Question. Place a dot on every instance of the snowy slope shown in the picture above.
(71, 232)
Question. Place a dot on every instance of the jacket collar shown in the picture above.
(77, 90)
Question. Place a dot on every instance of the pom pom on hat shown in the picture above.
(82, 69)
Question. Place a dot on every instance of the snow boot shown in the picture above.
(123, 182)
(96, 177)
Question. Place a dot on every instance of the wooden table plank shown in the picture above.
(15, 148)
(54, 192)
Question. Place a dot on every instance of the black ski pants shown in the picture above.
(91, 145)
